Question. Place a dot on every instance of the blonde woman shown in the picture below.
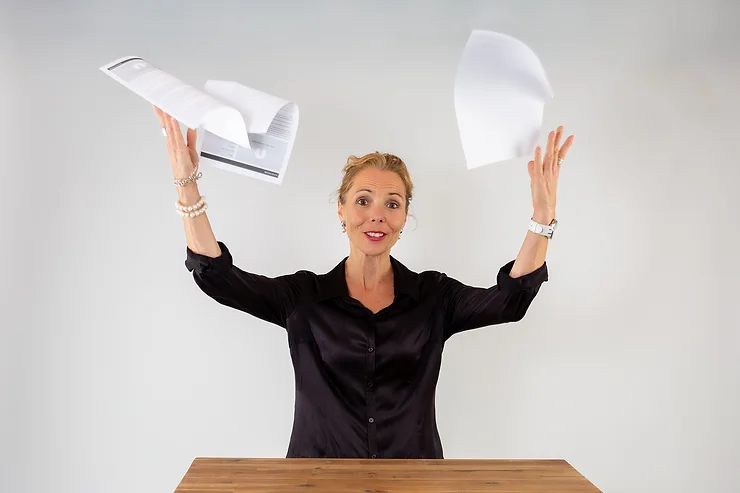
(366, 338)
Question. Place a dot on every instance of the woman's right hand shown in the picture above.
(184, 159)
(183, 155)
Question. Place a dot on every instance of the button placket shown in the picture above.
(372, 438)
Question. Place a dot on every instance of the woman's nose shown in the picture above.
(378, 214)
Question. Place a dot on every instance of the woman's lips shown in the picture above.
(375, 235)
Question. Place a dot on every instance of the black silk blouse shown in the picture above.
(365, 383)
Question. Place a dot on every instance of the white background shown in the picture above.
(116, 371)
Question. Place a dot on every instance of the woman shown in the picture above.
(366, 338)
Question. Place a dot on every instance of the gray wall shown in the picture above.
(116, 371)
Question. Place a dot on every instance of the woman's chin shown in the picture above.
(374, 249)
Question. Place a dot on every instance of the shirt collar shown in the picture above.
(332, 284)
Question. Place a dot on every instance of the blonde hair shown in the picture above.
(381, 161)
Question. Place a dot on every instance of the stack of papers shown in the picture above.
(245, 130)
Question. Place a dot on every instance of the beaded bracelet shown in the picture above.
(192, 210)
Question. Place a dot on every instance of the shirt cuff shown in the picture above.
(528, 281)
(201, 264)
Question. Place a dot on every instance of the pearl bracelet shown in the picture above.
(192, 210)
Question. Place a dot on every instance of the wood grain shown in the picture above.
(225, 475)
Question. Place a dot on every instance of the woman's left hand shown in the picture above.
(544, 172)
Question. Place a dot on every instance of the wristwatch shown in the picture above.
(546, 230)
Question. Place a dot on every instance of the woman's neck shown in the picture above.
(368, 272)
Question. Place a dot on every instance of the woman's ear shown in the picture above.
(340, 211)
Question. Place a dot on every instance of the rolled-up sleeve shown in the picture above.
(470, 307)
(269, 298)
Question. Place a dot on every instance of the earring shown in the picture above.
(344, 227)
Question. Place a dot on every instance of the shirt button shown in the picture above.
(370, 384)
(371, 420)
(374, 456)
(370, 349)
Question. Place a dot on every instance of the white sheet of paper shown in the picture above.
(500, 93)
(188, 105)
(272, 128)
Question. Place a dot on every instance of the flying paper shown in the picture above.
(246, 131)
(500, 94)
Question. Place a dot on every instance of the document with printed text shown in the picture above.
(245, 131)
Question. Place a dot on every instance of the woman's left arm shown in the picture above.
(517, 282)
(543, 173)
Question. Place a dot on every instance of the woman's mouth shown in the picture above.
(374, 235)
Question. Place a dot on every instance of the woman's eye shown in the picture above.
(361, 201)
(393, 205)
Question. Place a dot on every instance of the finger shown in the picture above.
(192, 137)
(549, 153)
(566, 145)
(538, 160)
(530, 168)
(558, 136)
(173, 130)
(160, 115)
(167, 127)
(555, 147)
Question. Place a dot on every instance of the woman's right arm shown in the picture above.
(184, 160)
(269, 298)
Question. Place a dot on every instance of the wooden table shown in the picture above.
(213, 475)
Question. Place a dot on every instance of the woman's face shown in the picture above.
(374, 211)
